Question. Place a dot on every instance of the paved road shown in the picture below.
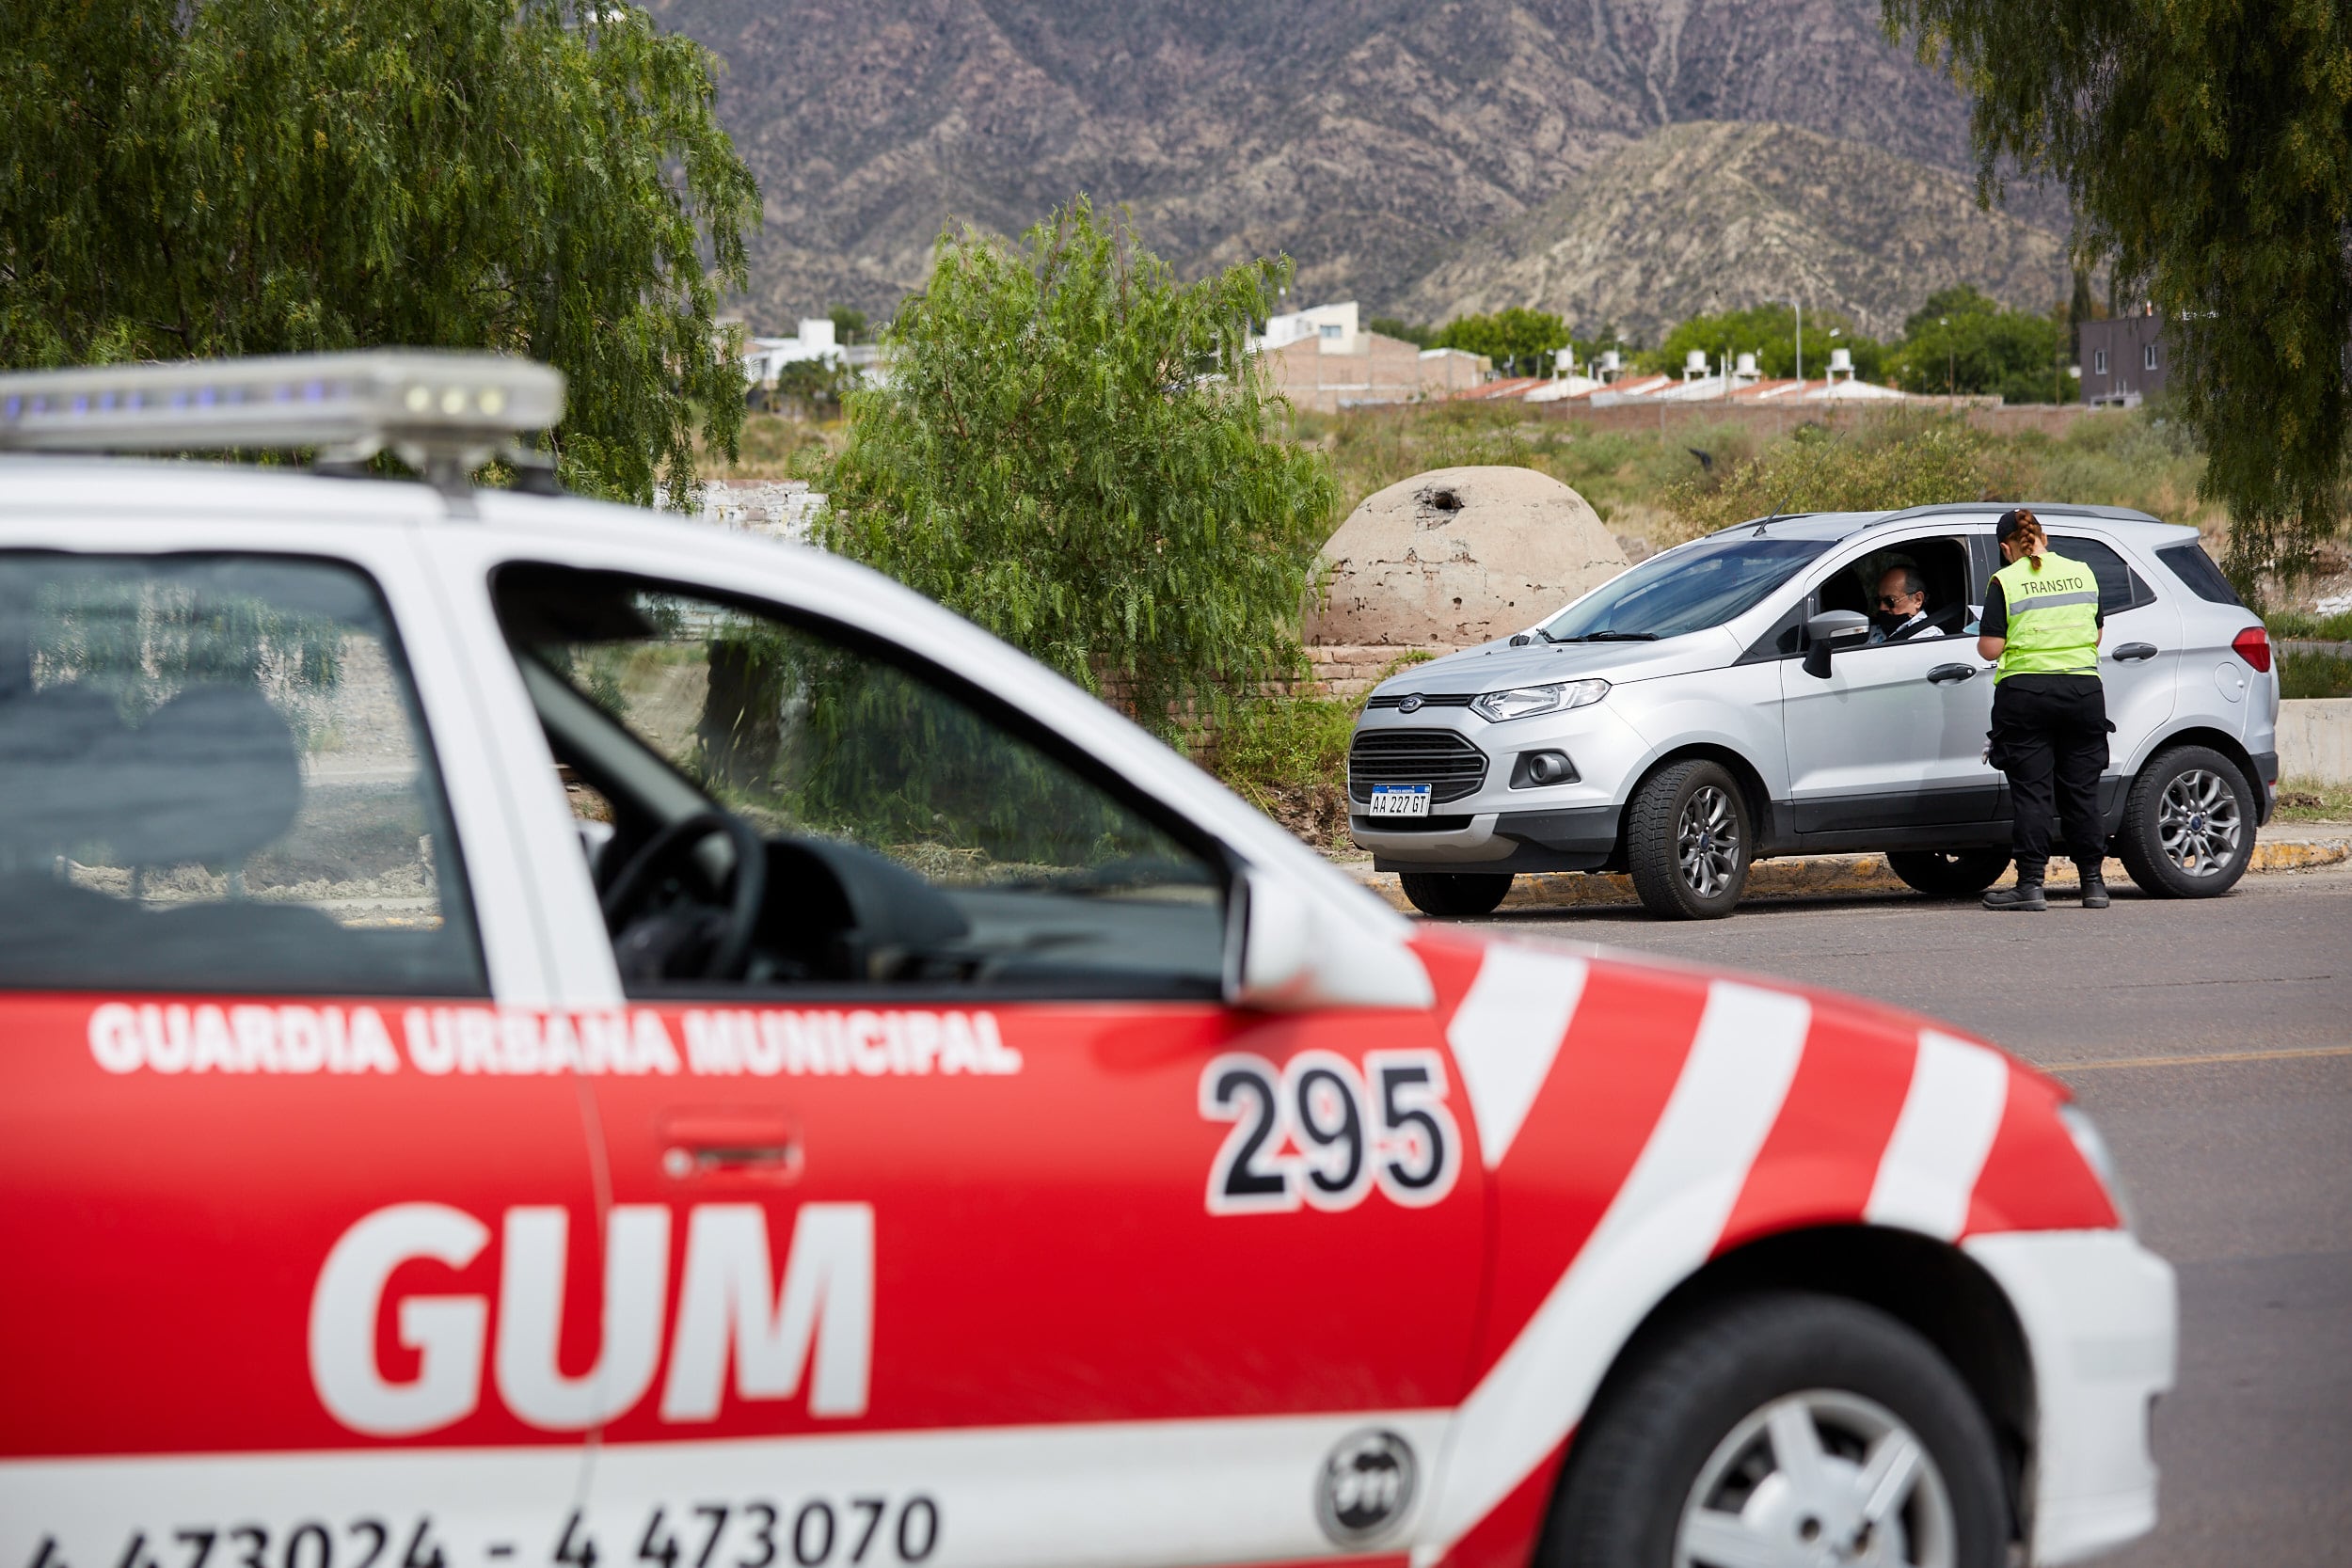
(2212, 1041)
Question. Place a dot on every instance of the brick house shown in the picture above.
(1322, 359)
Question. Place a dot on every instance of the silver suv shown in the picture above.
(1725, 703)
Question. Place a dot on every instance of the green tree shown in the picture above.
(539, 177)
(849, 323)
(1074, 451)
(1519, 341)
(1397, 327)
(1962, 340)
(2207, 146)
(1769, 333)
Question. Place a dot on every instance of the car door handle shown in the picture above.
(2130, 651)
(758, 1144)
(1944, 674)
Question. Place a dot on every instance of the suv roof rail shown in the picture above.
(443, 412)
(2055, 509)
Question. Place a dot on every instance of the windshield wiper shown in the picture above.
(1611, 637)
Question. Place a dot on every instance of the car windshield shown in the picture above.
(1700, 585)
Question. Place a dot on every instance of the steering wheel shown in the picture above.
(729, 958)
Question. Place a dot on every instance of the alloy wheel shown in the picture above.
(2198, 823)
(1823, 1479)
(1706, 841)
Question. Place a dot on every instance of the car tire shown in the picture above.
(1948, 874)
(1688, 843)
(1455, 894)
(1691, 1447)
(2188, 825)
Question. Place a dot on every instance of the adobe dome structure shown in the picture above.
(1457, 556)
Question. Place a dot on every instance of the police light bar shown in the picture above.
(429, 405)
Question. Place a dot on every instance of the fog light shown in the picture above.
(1535, 769)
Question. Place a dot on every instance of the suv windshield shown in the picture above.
(1702, 585)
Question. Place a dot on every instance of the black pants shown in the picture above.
(2050, 736)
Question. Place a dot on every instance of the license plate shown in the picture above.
(1400, 799)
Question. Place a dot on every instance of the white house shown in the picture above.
(764, 356)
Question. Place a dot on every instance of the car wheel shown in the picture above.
(1783, 1429)
(1687, 841)
(1456, 893)
(1948, 874)
(2188, 825)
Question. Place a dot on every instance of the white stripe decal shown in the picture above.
(1663, 1224)
(1507, 1032)
(1949, 1116)
(1108, 1495)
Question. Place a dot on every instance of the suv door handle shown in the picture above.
(2130, 651)
(1946, 674)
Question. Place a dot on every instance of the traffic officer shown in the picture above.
(2043, 623)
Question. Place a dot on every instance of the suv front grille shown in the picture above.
(1450, 766)
(1429, 699)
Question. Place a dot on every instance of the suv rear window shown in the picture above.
(2120, 587)
(2197, 572)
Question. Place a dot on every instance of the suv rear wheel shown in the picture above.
(1785, 1427)
(2188, 825)
(1687, 841)
(1455, 894)
(1948, 874)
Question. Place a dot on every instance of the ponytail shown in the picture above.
(2030, 534)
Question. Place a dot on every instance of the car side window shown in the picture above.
(1937, 565)
(215, 779)
(2120, 587)
(915, 833)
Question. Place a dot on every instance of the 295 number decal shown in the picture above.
(1316, 1131)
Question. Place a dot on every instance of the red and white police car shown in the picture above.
(538, 1037)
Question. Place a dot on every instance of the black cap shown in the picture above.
(2013, 519)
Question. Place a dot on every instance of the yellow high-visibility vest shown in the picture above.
(2053, 618)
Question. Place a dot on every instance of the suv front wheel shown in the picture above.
(1687, 841)
(2188, 825)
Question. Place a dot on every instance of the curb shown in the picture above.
(1811, 876)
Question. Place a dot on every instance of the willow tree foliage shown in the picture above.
(1076, 451)
(2207, 145)
(541, 177)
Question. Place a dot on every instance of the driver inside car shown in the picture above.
(1901, 613)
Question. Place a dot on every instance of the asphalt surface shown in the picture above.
(2213, 1043)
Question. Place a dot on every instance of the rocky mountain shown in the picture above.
(1713, 216)
(1369, 139)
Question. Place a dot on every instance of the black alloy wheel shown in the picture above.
(1456, 894)
(1688, 842)
(2188, 825)
(1948, 873)
(1783, 1427)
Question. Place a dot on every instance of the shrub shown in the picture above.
(1900, 460)
(1074, 451)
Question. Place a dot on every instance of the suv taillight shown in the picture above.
(2253, 646)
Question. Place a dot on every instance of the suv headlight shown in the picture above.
(1525, 701)
(2092, 1146)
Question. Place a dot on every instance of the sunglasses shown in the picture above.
(1892, 601)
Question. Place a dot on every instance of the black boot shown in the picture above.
(2095, 893)
(2025, 896)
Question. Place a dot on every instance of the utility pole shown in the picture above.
(1951, 372)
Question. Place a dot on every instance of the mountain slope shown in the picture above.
(1703, 217)
(1364, 137)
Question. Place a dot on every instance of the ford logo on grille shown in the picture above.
(1410, 704)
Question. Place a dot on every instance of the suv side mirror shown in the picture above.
(1829, 627)
(1283, 954)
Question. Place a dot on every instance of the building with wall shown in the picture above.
(2123, 359)
(1323, 359)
